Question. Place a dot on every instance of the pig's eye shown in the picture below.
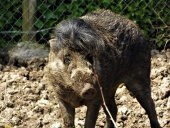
(89, 65)
(89, 58)
(67, 60)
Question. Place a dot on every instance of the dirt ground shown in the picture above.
(26, 101)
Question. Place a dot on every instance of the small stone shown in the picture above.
(41, 86)
(28, 90)
(42, 102)
(123, 99)
(100, 123)
(56, 125)
(124, 117)
(79, 122)
(10, 104)
(154, 51)
(38, 109)
(46, 119)
(16, 120)
(168, 55)
(12, 92)
(123, 110)
(161, 56)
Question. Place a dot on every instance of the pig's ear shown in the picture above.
(53, 44)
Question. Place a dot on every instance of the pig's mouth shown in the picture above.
(81, 97)
(88, 91)
(77, 98)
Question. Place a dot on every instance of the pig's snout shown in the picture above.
(88, 92)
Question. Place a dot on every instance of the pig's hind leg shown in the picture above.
(139, 85)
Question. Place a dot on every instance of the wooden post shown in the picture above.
(28, 14)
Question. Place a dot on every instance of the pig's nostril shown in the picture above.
(88, 93)
(92, 74)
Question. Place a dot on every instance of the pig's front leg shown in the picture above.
(67, 113)
(91, 115)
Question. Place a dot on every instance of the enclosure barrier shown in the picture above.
(34, 20)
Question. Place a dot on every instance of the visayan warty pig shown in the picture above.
(105, 44)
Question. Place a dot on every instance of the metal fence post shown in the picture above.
(28, 14)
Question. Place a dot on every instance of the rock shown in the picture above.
(154, 52)
(162, 56)
(47, 118)
(168, 104)
(15, 120)
(168, 54)
(123, 99)
(25, 51)
(12, 92)
(100, 123)
(56, 125)
(124, 117)
(42, 102)
(10, 104)
(123, 109)
(79, 122)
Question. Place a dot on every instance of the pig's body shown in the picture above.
(105, 44)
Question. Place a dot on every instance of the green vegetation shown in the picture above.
(152, 16)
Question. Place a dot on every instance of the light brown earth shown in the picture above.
(27, 102)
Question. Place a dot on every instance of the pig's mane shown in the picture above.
(78, 35)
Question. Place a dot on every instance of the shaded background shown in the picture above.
(34, 20)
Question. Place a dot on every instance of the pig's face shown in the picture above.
(73, 72)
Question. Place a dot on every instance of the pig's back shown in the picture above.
(126, 44)
(119, 31)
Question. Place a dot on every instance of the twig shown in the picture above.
(166, 43)
(5, 95)
(104, 103)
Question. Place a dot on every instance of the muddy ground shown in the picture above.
(26, 101)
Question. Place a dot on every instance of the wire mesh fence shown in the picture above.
(34, 20)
